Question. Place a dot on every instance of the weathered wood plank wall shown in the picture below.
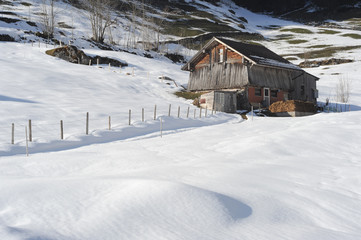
(309, 83)
(270, 77)
(219, 76)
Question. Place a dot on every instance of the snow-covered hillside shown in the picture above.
(214, 177)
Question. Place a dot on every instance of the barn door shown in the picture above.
(266, 96)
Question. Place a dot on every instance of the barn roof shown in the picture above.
(256, 54)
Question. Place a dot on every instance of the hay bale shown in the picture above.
(292, 106)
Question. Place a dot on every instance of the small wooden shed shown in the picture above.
(245, 75)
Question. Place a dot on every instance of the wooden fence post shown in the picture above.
(155, 111)
(161, 127)
(142, 114)
(110, 123)
(188, 112)
(252, 112)
(30, 132)
(61, 130)
(200, 112)
(87, 124)
(130, 116)
(178, 111)
(170, 107)
(90, 62)
(205, 112)
(194, 113)
(26, 140)
(97, 62)
(12, 133)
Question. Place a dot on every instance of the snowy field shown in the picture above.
(215, 177)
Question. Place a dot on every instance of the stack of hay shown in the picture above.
(292, 106)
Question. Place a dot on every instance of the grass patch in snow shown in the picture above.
(327, 31)
(26, 4)
(282, 37)
(203, 14)
(354, 21)
(4, 2)
(291, 58)
(270, 27)
(64, 25)
(297, 41)
(319, 46)
(324, 53)
(181, 28)
(188, 95)
(352, 35)
(297, 30)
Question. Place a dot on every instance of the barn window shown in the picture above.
(258, 92)
(221, 55)
(274, 93)
(302, 89)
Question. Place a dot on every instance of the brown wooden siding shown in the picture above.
(203, 62)
(233, 57)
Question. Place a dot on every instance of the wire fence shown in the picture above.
(73, 127)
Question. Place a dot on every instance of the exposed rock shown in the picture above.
(241, 26)
(243, 19)
(30, 23)
(6, 38)
(74, 55)
(291, 106)
(9, 20)
(176, 58)
(315, 63)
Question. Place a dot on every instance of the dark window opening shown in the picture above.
(266, 92)
(302, 90)
(258, 92)
(274, 93)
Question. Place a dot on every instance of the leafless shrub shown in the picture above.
(343, 88)
(48, 17)
(100, 17)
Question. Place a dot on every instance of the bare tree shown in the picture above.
(343, 89)
(48, 18)
(160, 25)
(131, 41)
(100, 17)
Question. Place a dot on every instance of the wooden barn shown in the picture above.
(236, 75)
